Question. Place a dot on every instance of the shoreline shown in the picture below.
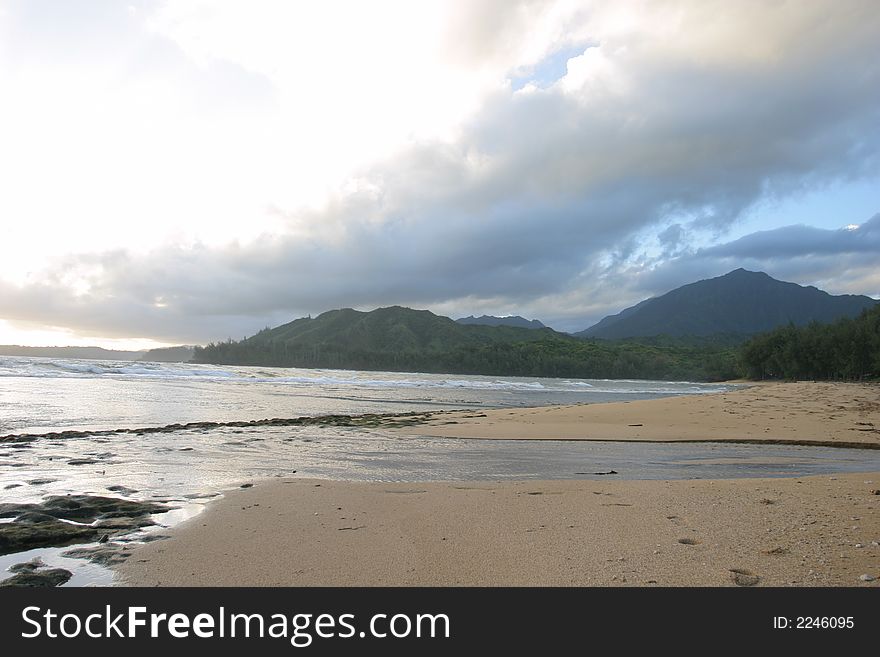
(802, 413)
(821, 530)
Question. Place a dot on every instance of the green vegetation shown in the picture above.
(400, 339)
(740, 302)
(848, 349)
(181, 354)
(404, 340)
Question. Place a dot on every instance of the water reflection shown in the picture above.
(188, 468)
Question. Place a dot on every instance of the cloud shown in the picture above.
(796, 241)
(840, 261)
(671, 120)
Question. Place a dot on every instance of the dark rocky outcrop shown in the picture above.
(109, 554)
(68, 519)
(34, 573)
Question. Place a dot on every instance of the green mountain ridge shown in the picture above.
(695, 332)
(739, 303)
(510, 320)
(402, 339)
(347, 336)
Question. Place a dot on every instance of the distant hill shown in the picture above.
(89, 353)
(739, 303)
(510, 320)
(393, 338)
(404, 340)
(181, 354)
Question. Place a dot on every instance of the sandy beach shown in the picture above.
(808, 531)
(772, 532)
(798, 413)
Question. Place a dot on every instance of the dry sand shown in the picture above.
(810, 531)
(583, 533)
(801, 413)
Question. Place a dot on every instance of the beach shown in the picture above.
(805, 531)
(773, 532)
(803, 413)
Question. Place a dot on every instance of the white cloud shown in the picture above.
(199, 169)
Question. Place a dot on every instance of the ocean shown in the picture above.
(105, 403)
(51, 394)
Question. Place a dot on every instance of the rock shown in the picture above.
(43, 525)
(122, 489)
(84, 508)
(30, 533)
(39, 577)
(246, 486)
(33, 518)
(105, 555)
(27, 566)
(867, 578)
(124, 523)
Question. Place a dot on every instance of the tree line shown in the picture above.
(848, 349)
(588, 359)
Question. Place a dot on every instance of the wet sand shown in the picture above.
(810, 531)
(814, 531)
(842, 414)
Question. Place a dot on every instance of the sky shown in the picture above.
(182, 171)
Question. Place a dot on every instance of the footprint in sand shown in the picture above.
(743, 577)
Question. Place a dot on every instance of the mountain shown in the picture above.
(393, 329)
(739, 303)
(386, 338)
(404, 340)
(510, 320)
(88, 353)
